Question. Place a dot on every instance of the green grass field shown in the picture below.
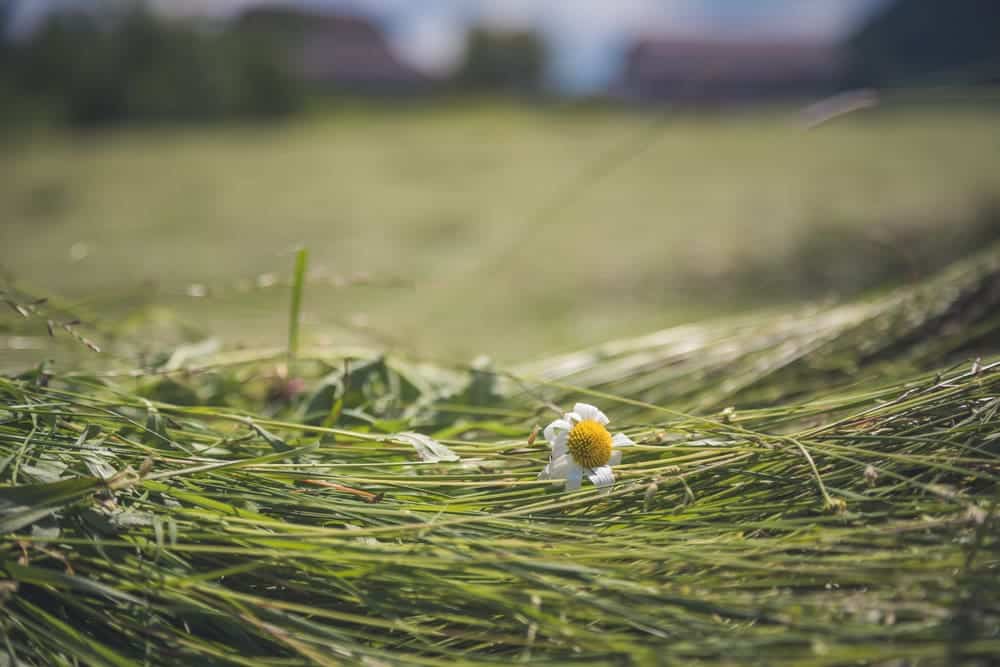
(813, 479)
(501, 230)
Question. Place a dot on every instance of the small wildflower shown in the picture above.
(650, 494)
(976, 515)
(266, 280)
(284, 388)
(582, 445)
(197, 291)
(871, 475)
(837, 505)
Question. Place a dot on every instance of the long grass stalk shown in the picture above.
(295, 309)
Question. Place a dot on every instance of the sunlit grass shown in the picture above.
(223, 507)
(437, 211)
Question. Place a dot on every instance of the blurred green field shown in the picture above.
(645, 221)
(805, 486)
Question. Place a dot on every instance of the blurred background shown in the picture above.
(502, 177)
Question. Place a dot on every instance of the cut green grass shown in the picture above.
(212, 512)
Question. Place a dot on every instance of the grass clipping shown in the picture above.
(811, 488)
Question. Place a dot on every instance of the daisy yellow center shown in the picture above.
(589, 444)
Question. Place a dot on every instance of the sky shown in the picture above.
(587, 37)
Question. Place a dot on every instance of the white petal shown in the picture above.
(572, 418)
(553, 430)
(621, 440)
(559, 446)
(616, 458)
(587, 411)
(559, 467)
(574, 476)
(556, 433)
(602, 477)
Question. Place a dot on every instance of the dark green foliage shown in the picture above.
(914, 40)
(502, 61)
(267, 88)
(139, 68)
(6, 12)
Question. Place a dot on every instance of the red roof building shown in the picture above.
(336, 50)
(688, 70)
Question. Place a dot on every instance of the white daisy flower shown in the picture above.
(581, 445)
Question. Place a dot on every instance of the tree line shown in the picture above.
(87, 69)
(91, 69)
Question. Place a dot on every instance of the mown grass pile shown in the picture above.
(808, 488)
